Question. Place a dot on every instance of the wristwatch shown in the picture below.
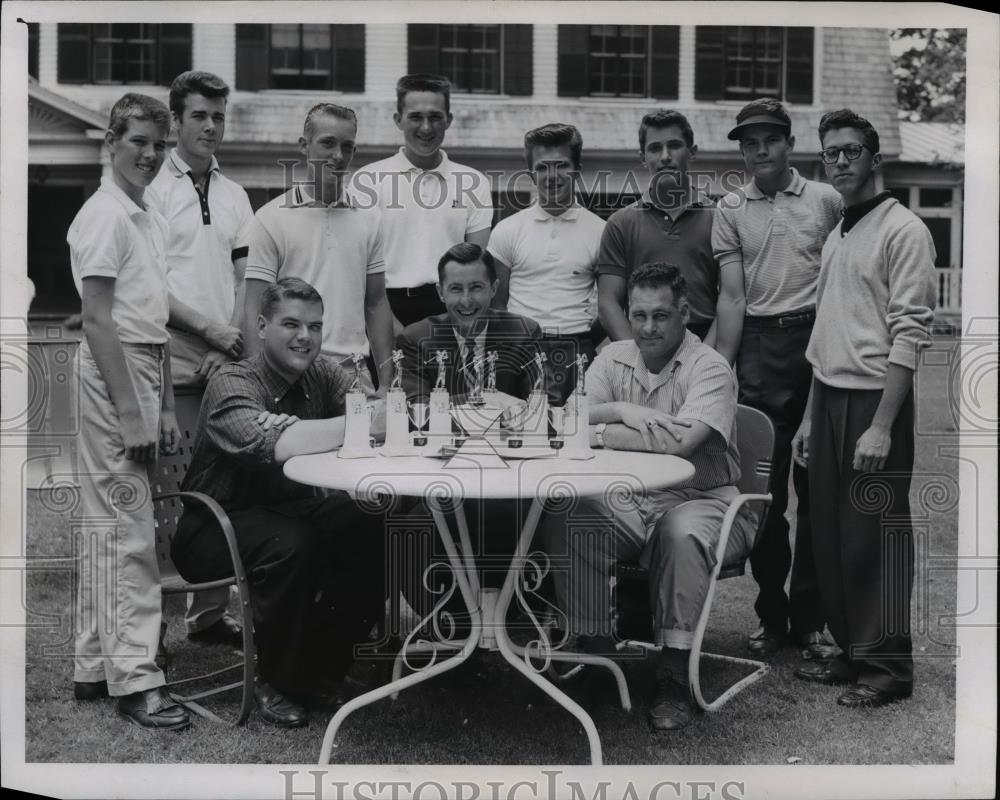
(599, 434)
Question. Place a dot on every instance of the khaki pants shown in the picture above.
(118, 587)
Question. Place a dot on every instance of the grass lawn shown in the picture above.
(486, 713)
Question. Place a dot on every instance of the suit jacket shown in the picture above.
(514, 338)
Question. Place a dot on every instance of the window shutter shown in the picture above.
(349, 58)
(665, 51)
(709, 62)
(174, 52)
(517, 59)
(252, 70)
(572, 64)
(799, 65)
(423, 52)
(33, 49)
(74, 52)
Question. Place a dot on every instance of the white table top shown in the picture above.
(491, 477)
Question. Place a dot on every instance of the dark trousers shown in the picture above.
(413, 305)
(863, 536)
(700, 329)
(774, 377)
(562, 352)
(316, 571)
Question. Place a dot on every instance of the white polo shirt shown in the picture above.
(112, 237)
(335, 248)
(424, 212)
(553, 266)
(204, 233)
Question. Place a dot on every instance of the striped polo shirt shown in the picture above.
(698, 384)
(779, 241)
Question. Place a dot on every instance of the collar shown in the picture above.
(403, 164)
(853, 214)
(798, 183)
(275, 386)
(108, 185)
(179, 167)
(539, 214)
(645, 201)
(631, 357)
(479, 341)
(298, 198)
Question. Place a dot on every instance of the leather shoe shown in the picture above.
(865, 696)
(819, 672)
(765, 641)
(225, 630)
(816, 646)
(90, 690)
(153, 709)
(276, 709)
(672, 708)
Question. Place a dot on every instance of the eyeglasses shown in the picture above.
(832, 154)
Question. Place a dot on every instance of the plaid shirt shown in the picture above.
(233, 460)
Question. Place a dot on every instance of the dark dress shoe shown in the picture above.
(765, 641)
(865, 696)
(226, 631)
(90, 690)
(276, 709)
(672, 708)
(816, 646)
(153, 709)
(822, 673)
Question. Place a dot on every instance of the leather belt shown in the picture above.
(413, 291)
(794, 320)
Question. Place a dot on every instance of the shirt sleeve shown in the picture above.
(264, 257)
(611, 256)
(244, 212)
(597, 380)
(912, 292)
(710, 395)
(98, 247)
(501, 245)
(726, 245)
(234, 401)
(376, 259)
(480, 212)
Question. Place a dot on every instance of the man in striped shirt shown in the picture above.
(664, 391)
(772, 230)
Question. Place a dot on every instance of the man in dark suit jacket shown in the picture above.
(468, 331)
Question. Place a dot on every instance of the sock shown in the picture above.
(674, 661)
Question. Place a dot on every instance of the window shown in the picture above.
(619, 61)
(127, 53)
(480, 59)
(742, 62)
(940, 209)
(309, 57)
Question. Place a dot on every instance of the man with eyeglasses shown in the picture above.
(772, 231)
(875, 305)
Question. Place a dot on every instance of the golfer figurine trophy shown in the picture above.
(397, 420)
(576, 419)
(490, 394)
(536, 422)
(439, 414)
(358, 423)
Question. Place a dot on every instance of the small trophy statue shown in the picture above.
(490, 390)
(476, 394)
(397, 421)
(357, 426)
(537, 417)
(576, 419)
(397, 370)
(439, 414)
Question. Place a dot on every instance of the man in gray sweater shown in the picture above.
(875, 304)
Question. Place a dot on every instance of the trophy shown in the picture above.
(490, 391)
(576, 418)
(536, 422)
(439, 412)
(357, 425)
(397, 421)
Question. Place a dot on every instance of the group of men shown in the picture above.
(184, 286)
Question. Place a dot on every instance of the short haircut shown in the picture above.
(555, 134)
(657, 274)
(195, 82)
(845, 118)
(664, 118)
(766, 105)
(468, 253)
(287, 289)
(327, 110)
(423, 82)
(140, 107)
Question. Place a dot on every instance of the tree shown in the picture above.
(929, 72)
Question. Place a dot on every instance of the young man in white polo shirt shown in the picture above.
(428, 202)
(118, 256)
(209, 218)
(318, 232)
(547, 254)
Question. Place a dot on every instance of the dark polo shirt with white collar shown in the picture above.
(642, 233)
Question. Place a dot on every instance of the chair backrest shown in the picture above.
(169, 473)
(755, 441)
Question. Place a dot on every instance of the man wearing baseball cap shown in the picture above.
(773, 228)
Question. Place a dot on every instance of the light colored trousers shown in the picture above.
(673, 536)
(118, 586)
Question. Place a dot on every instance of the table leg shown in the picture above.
(466, 577)
(507, 647)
